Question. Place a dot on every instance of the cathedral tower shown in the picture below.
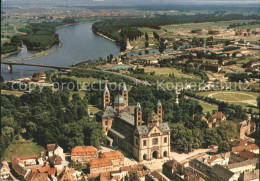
(125, 94)
(138, 115)
(159, 111)
(106, 97)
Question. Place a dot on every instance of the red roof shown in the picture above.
(112, 155)
(213, 159)
(84, 150)
(247, 148)
(99, 162)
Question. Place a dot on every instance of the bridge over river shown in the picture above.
(11, 64)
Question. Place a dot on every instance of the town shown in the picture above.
(98, 91)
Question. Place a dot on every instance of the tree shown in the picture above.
(223, 147)
(146, 37)
(146, 44)
(161, 47)
(133, 176)
(258, 102)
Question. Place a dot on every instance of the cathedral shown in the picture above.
(125, 128)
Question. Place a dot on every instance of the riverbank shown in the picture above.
(100, 34)
(41, 53)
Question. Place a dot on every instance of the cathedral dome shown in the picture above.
(119, 99)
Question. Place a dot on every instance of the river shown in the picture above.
(79, 44)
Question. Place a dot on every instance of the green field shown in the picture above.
(207, 25)
(7, 92)
(22, 147)
(208, 107)
(81, 79)
(245, 99)
(93, 109)
(167, 71)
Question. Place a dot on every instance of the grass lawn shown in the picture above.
(245, 99)
(207, 107)
(254, 94)
(8, 92)
(81, 79)
(93, 109)
(22, 147)
(207, 25)
(167, 71)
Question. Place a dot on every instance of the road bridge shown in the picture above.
(11, 64)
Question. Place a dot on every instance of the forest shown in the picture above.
(113, 28)
(49, 118)
(38, 37)
(58, 118)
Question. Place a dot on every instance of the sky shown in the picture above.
(119, 2)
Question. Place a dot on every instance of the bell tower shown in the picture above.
(159, 112)
(125, 94)
(106, 97)
(138, 115)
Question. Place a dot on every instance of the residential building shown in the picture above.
(156, 176)
(99, 165)
(249, 176)
(116, 157)
(83, 154)
(5, 171)
(54, 149)
(216, 119)
(171, 168)
(200, 168)
(251, 147)
(219, 173)
(241, 167)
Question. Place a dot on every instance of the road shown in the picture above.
(137, 81)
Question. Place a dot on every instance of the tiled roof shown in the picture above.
(99, 162)
(51, 147)
(116, 133)
(143, 129)
(47, 169)
(164, 127)
(220, 170)
(112, 155)
(55, 160)
(127, 118)
(247, 154)
(172, 164)
(84, 150)
(246, 147)
(109, 112)
(242, 164)
(18, 168)
(132, 167)
(218, 115)
(36, 176)
(213, 159)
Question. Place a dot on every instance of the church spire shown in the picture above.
(138, 115)
(125, 94)
(106, 97)
(159, 111)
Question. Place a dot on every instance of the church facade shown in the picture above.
(125, 128)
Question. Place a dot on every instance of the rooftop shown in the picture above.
(112, 155)
(242, 164)
(99, 162)
(220, 170)
(84, 150)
